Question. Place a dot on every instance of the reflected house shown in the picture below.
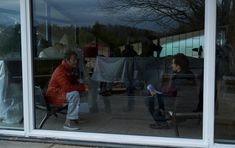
(182, 42)
(94, 49)
(172, 44)
(90, 50)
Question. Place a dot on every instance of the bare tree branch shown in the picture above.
(160, 12)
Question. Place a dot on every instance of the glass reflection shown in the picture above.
(119, 54)
(11, 98)
(225, 88)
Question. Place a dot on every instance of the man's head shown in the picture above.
(180, 63)
(71, 58)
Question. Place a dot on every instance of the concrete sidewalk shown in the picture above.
(6, 143)
(19, 144)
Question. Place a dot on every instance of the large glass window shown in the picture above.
(11, 100)
(130, 82)
(225, 71)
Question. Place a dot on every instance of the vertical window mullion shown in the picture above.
(209, 72)
(26, 45)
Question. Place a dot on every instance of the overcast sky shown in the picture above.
(9, 12)
(79, 12)
(83, 13)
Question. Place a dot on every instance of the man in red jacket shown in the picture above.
(64, 88)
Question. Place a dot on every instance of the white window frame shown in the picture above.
(26, 70)
(208, 103)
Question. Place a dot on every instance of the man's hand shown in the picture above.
(86, 87)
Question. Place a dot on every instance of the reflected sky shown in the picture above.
(10, 4)
(9, 12)
(82, 13)
(68, 12)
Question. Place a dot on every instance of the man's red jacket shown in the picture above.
(62, 81)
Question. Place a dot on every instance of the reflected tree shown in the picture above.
(10, 42)
(226, 19)
(167, 14)
(117, 35)
(226, 24)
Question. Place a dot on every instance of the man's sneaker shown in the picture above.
(80, 121)
(71, 126)
(161, 116)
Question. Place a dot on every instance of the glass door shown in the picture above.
(11, 98)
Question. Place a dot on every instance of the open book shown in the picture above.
(152, 90)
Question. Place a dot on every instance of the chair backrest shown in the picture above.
(39, 96)
(41, 99)
(187, 98)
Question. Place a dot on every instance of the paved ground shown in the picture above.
(18, 144)
(5, 143)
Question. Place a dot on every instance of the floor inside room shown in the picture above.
(119, 120)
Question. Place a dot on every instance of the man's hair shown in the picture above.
(182, 61)
(69, 53)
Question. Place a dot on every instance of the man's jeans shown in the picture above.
(150, 102)
(73, 100)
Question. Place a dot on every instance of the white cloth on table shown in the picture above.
(122, 69)
(109, 69)
(51, 52)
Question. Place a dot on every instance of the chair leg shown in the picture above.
(50, 112)
(47, 115)
(176, 126)
(177, 130)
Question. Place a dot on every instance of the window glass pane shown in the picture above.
(225, 72)
(124, 49)
(11, 98)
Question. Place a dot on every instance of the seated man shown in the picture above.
(64, 87)
(181, 76)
